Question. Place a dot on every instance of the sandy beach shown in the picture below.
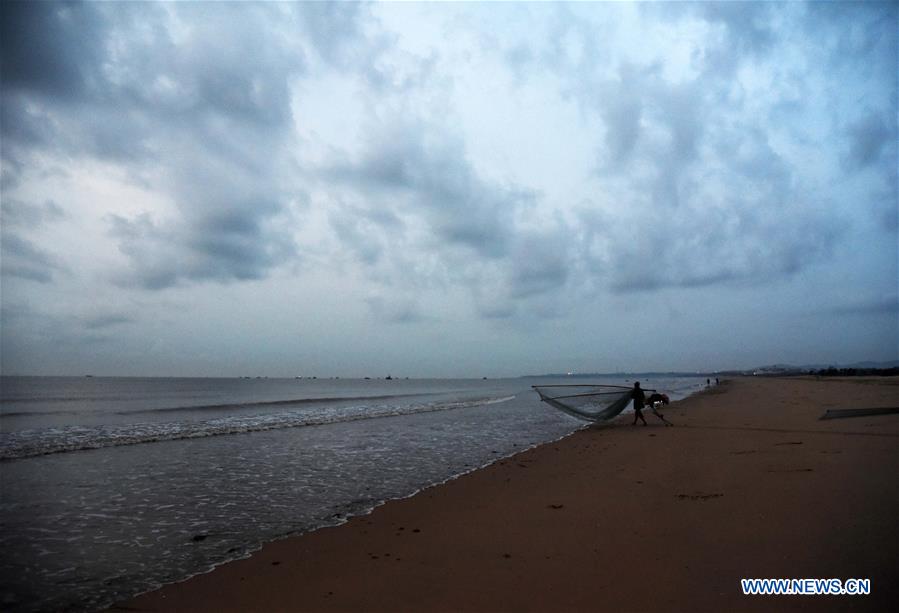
(749, 484)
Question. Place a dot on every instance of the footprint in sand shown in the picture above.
(790, 470)
(699, 496)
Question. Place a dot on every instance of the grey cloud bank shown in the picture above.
(444, 190)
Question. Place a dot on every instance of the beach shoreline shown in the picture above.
(751, 484)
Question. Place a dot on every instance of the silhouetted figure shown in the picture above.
(716, 380)
(708, 382)
(655, 401)
(639, 402)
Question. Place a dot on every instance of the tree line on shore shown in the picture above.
(832, 371)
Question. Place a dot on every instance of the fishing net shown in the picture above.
(588, 402)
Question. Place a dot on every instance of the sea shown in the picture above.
(110, 487)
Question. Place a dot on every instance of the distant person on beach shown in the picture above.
(639, 402)
(708, 382)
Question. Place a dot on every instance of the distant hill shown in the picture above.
(890, 364)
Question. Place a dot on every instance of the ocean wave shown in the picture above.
(33, 413)
(30, 443)
(271, 403)
(201, 407)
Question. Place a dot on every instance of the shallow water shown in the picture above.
(113, 486)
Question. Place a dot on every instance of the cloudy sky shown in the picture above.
(446, 189)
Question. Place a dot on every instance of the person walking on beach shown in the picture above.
(639, 402)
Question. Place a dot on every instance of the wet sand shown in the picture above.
(750, 483)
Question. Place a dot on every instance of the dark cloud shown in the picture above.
(50, 55)
(395, 310)
(520, 57)
(652, 128)
(20, 255)
(748, 24)
(868, 138)
(427, 173)
(23, 214)
(742, 242)
(101, 322)
(468, 230)
(499, 311)
(232, 65)
(194, 101)
(37, 340)
(24, 259)
(854, 31)
(228, 245)
(754, 246)
(734, 214)
(885, 305)
(143, 242)
(540, 263)
(49, 47)
(23, 329)
(748, 31)
(739, 219)
(703, 198)
(197, 92)
(885, 204)
(622, 109)
(346, 36)
(360, 232)
(22, 127)
(334, 29)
